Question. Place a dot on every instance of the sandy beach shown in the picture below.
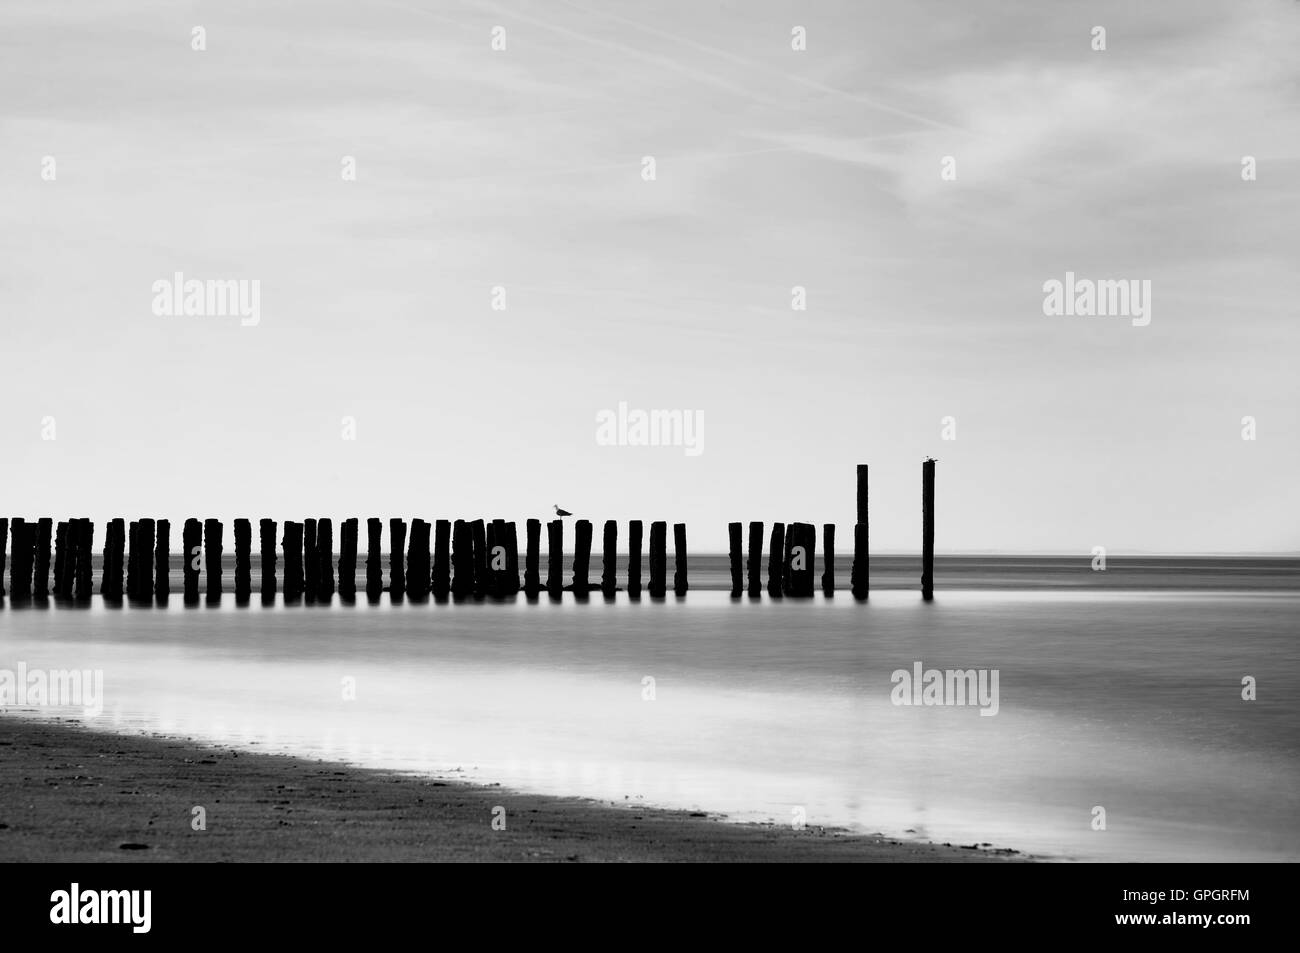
(72, 795)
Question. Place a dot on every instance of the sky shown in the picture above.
(522, 169)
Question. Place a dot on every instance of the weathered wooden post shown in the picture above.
(581, 557)
(4, 549)
(735, 538)
(609, 559)
(325, 559)
(310, 559)
(496, 560)
(861, 573)
(555, 558)
(212, 550)
(440, 584)
(132, 558)
(374, 558)
(927, 529)
(679, 559)
(60, 560)
(533, 558)
(110, 574)
(658, 559)
(775, 566)
(44, 526)
(508, 536)
(396, 550)
(828, 560)
(462, 560)
(85, 573)
(349, 530)
(162, 561)
(243, 559)
(754, 565)
(191, 547)
(801, 544)
(266, 546)
(144, 534)
(479, 559)
(20, 565)
(417, 561)
(294, 573)
(634, 530)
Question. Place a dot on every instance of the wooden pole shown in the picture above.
(145, 530)
(441, 581)
(828, 560)
(310, 559)
(508, 536)
(191, 548)
(110, 576)
(162, 561)
(634, 530)
(679, 559)
(20, 566)
(735, 537)
(60, 561)
(801, 548)
(374, 557)
(495, 560)
(325, 559)
(243, 558)
(417, 561)
(609, 559)
(4, 549)
(349, 531)
(396, 548)
(754, 565)
(555, 558)
(294, 574)
(927, 529)
(581, 557)
(266, 547)
(658, 558)
(85, 576)
(132, 558)
(212, 550)
(44, 527)
(861, 573)
(533, 558)
(775, 567)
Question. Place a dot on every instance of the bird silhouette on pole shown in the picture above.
(560, 512)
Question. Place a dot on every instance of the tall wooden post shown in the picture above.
(478, 544)
(84, 572)
(349, 531)
(495, 577)
(4, 549)
(374, 557)
(634, 530)
(162, 553)
(658, 559)
(462, 560)
(266, 547)
(828, 560)
(735, 539)
(212, 534)
(754, 565)
(243, 558)
(441, 581)
(44, 527)
(775, 564)
(145, 530)
(325, 559)
(801, 547)
(396, 549)
(310, 559)
(581, 557)
(609, 559)
(110, 576)
(679, 559)
(533, 558)
(861, 573)
(294, 574)
(508, 536)
(555, 558)
(60, 560)
(927, 529)
(20, 566)
(417, 561)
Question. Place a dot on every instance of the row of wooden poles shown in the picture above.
(470, 558)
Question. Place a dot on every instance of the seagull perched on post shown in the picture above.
(560, 512)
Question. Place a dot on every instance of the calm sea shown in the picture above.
(1119, 690)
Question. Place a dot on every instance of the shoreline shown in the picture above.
(72, 794)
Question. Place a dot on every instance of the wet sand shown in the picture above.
(72, 795)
